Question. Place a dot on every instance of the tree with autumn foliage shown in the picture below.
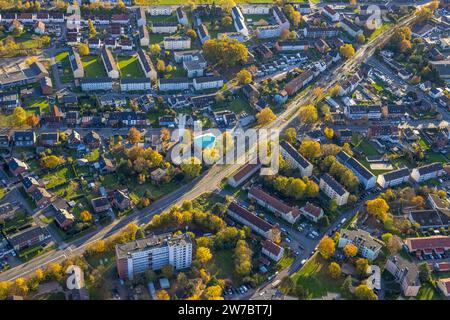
(225, 52)
(162, 295)
(347, 50)
(244, 77)
(310, 149)
(308, 114)
(203, 255)
(329, 133)
(32, 120)
(191, 167)
(85, 216)
(334, 270)
(290, 135)
(378, 208)
(213, 293)
(134, 135)
(363, 292)
(265, 116)
(350, 250)
(326, 247)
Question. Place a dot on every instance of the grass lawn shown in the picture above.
(171, 18)
(93, 66)
(436, 157)
(382, 28)
(237, 105)
(137, 190)
(428, 292)
(222, 266)
(51, 296)
(93, 155)
(129, 66)
(285, 262)
(158, 37)
(364, 145)
(67, 75)
(60, 176)
(36, 104)
(313, 276)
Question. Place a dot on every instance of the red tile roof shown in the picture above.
(250, 217)
(246, 169)
(429, 243)
(273, 201)
(272, 247)
(312, 209)
(446, 282)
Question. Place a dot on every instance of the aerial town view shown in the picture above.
(232, 150)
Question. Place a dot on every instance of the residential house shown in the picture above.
(272, 250)
(444, 285)
(273, 204)
(177, 43)
(100, 204)
(206, 83)
(368, 247)
(333, 189)
(164, 27)
(75, 63)
(393, 178)
(24, 138)
(135, 84)
(41, 197)
(293, 45)
(331, 13)
(311, 212)
(144, 37)
(427, 172)
(243, 174)
(147, 65)
(405, 273)
(280, 17)
(96, 84)
(28, 238)
(174, 84)
(182, 16)
(295, 159)
(49, 138)
(93, 140)
(17, 166)
(258, 225)
(299, 82)
(121, 199)
(110, 64)
(365, 177)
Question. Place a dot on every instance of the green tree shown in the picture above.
(191, 167)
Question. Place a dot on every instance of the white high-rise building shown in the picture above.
(153, 253)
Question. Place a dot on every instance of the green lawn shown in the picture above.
(428, 292)
(137, 190)
(67, 75)
(93, 66)
(51, 296)
(313, 276)
(60, 176)
(237, 105)
(129, 66)
(436, 157)
(158, 37)
(36, 105)
(93, 155)
(285, 262)
(382, 28)
(364, 145)
(2, 193)
(222, 266)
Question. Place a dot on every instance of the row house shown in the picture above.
(299, 82)
(96, 84)
(174, 84)
(164, 27)
(333, 189)
(281, 18)
(160, 10)
(203, 33)
(393, 111)
(320, 32)
(110, 64)
(266, 32)
(405, 273)
(243, 174)
(274, 205)
(147, 65)
(24, 138)
(351, 28)
(28, 238)
(49, 139)
(272, 250)
(332, 14)
(358, 112)
(135, 84)
(177, 43)
(312, 212)
(252, 9)
(264, 52)
(384, 132)
(141, 17)
(205, 83)
(295, 159)
(365, 177)
(239, 21)
(258, 225)
(427, 172)
(16, 166)
(94, 43)
(292, 45)
(393, 178)
(121, 18)
(182, 16)
(144, 37)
